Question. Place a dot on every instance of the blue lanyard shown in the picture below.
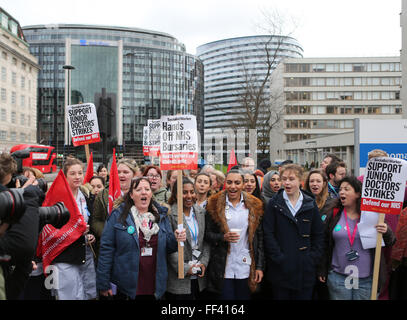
(194, 234)
(333, 189)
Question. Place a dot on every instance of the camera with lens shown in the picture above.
(56, 215)
(12, 205)
(42, 184)
(12, 208)
(18, 156)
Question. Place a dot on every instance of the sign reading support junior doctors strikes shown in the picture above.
(83, 124)
(384, 185)
(179, 143)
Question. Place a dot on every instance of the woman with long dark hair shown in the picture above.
(344, 254)
(134, 246)
(196, 250)
(317, 184)
(251, 184)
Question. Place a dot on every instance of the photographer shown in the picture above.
(19, 232)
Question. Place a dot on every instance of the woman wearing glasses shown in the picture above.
(126, 169)
(154, 175)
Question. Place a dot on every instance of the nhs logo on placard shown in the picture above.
(83, 42)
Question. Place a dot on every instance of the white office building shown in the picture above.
(323, 96)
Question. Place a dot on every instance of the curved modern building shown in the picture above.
(130, 74)
(230, 66)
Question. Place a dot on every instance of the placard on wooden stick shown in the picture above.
(382, 192)
(179, 151)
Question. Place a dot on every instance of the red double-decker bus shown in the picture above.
(41, 157)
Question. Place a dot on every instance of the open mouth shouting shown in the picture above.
(315, 189)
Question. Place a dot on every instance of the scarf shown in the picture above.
(145, 222)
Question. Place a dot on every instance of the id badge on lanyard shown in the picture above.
(352, 255)
(146, 251)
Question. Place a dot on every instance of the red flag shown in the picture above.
(114, 184)
(89, 169)
(232, 160)
(53, 241)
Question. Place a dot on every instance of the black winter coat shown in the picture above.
(292, 245)
(20, 242)
(75, 253)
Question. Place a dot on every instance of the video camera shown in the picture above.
(12, 208)
(18, 156)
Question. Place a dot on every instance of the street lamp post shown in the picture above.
(69, 68)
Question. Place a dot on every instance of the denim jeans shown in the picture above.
(340, 288)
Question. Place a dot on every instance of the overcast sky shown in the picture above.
(324, 28)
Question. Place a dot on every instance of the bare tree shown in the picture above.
(259, 108)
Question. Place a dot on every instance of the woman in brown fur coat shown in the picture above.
(235, 233)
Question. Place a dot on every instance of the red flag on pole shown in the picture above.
(114, 184)
(53, 241)
(232, 160)
(89, 169)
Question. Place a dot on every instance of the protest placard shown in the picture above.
(179, 151)
(382, 193)
(154, 133)
(179, 143)
(146, 141)
(384, 185)
(83, 124)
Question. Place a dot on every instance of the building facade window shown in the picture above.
(3, 135)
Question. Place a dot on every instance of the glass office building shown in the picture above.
(130, 74)
(232, 66)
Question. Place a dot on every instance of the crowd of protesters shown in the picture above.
(251, 233)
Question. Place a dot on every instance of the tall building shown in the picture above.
(235, 69)
(323, 96)
(130, 74)
(18, 86)
(403, 54)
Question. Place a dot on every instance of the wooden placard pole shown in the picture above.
(87, 153)
(180, 222)
(377, 257)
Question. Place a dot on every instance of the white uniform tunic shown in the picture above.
(238, 260)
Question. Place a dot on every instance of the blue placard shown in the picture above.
(395, 150)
